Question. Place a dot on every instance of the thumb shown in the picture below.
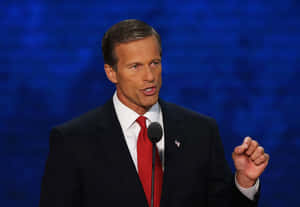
(243, 147)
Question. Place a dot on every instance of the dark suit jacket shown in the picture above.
(89, 164)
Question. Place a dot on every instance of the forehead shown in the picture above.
(138, 50)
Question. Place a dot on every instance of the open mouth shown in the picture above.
(149, 91)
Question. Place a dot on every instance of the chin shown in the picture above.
(149, 103)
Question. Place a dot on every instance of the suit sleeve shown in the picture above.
(60, 183)
(222, 190)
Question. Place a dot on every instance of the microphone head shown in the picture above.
(154, 132)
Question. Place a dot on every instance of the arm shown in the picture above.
(60, 183)
(222, 190)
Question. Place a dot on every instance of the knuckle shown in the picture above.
(255, 143)
(247, 140)
(257, 161)
(236, 149)
(261, 149)
(267, 156)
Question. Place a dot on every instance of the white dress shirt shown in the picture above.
(127, 118)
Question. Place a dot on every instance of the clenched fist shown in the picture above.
(250, 161)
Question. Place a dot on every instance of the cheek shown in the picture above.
(124, 81)
(159, 76)
(131, 86)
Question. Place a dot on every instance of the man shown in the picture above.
(103, 158)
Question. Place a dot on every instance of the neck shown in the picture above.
(141, 110)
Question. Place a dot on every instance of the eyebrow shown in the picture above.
(133, 63)
(156, 59)
(139, 63)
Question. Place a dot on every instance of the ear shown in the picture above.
(111, 74)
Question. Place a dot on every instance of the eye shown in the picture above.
(155, 63)
(134, 66)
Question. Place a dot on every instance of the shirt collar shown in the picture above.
(127, 116)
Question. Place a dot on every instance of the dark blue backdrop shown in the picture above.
(237, 61)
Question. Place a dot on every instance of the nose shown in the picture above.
(149, 74)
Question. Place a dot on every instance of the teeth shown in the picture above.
(148, 89)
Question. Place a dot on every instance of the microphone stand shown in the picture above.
(153, 172)
(154, 133)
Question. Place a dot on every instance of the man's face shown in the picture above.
(138, 74)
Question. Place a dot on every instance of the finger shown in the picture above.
(252, 147)
(268, 157)
(262, 159)
(257, 153)
(243, 147)
(247, 140)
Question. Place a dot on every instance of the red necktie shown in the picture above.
(144, 158)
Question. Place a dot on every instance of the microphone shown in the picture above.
(154, 133)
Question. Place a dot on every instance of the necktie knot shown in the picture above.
(141, 121)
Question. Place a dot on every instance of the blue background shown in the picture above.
(237, 61)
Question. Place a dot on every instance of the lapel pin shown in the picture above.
(177, 143)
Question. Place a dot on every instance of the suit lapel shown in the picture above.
(117, 152)
(173, 146)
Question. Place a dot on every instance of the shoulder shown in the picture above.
(87, 122)
(187, 115)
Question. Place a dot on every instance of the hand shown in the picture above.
(250, 161)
